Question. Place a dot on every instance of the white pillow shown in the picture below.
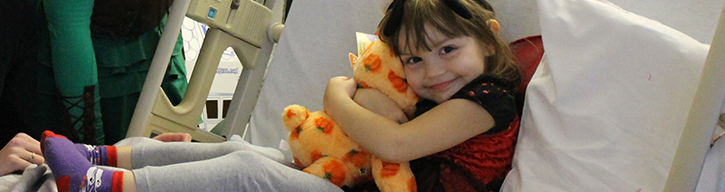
(696, 18)
(606, 107)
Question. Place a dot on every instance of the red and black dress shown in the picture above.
(482, 162)
(479, 163)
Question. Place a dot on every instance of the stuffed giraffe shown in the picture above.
(321, 148)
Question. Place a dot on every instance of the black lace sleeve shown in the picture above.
(493, 94)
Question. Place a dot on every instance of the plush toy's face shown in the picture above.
(379, 68)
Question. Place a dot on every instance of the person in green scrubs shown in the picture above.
(94, 57)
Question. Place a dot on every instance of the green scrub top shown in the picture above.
(121, 68)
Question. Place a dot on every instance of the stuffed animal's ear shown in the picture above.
(352, 59)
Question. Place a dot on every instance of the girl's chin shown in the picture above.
(442, 98)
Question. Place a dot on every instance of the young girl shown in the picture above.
(463, 132)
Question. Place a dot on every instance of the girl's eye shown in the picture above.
(447, 49)
(413, 60)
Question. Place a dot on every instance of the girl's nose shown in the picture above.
(434, 68)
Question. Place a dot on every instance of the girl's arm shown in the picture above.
(443, 127)
(379, 103)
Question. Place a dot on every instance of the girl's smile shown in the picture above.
(439, 87)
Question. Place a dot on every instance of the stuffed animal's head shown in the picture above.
(379, 68)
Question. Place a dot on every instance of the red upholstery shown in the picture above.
(527, 52)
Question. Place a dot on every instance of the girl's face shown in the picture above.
(451, 64)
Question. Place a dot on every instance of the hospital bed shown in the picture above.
(316, 50)
(601, 111)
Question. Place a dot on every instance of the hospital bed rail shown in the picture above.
(702, 119)
(244, 25)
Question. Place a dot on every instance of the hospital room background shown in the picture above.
(326, 36)
(587, 125)
(699, 22)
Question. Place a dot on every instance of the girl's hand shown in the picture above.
(339, 91)
(341, 85)
(19, 153)
(376, 101)
(174, 137)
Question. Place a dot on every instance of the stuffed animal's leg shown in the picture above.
(331, 169)
(393, 177)
(293, 116)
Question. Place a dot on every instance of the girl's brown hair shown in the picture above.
(437, 14)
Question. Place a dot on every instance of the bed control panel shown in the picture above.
(245, 19)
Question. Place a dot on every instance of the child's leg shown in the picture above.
(100, 155)
(237, 171)
(73, 171)
(154, 153)
(129, 182)
(158, 154)
(124, 157)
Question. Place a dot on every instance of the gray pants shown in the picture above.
(228, 166)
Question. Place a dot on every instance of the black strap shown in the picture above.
(86, 119)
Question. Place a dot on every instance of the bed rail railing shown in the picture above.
(244, 25)
(151, 90)
(700, 126)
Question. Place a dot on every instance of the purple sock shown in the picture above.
(98, 155)
(73, 172)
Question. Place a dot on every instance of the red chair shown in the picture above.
(527, 52)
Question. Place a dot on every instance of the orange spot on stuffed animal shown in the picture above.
(321, 148)
(325, 125)
(389, 169)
